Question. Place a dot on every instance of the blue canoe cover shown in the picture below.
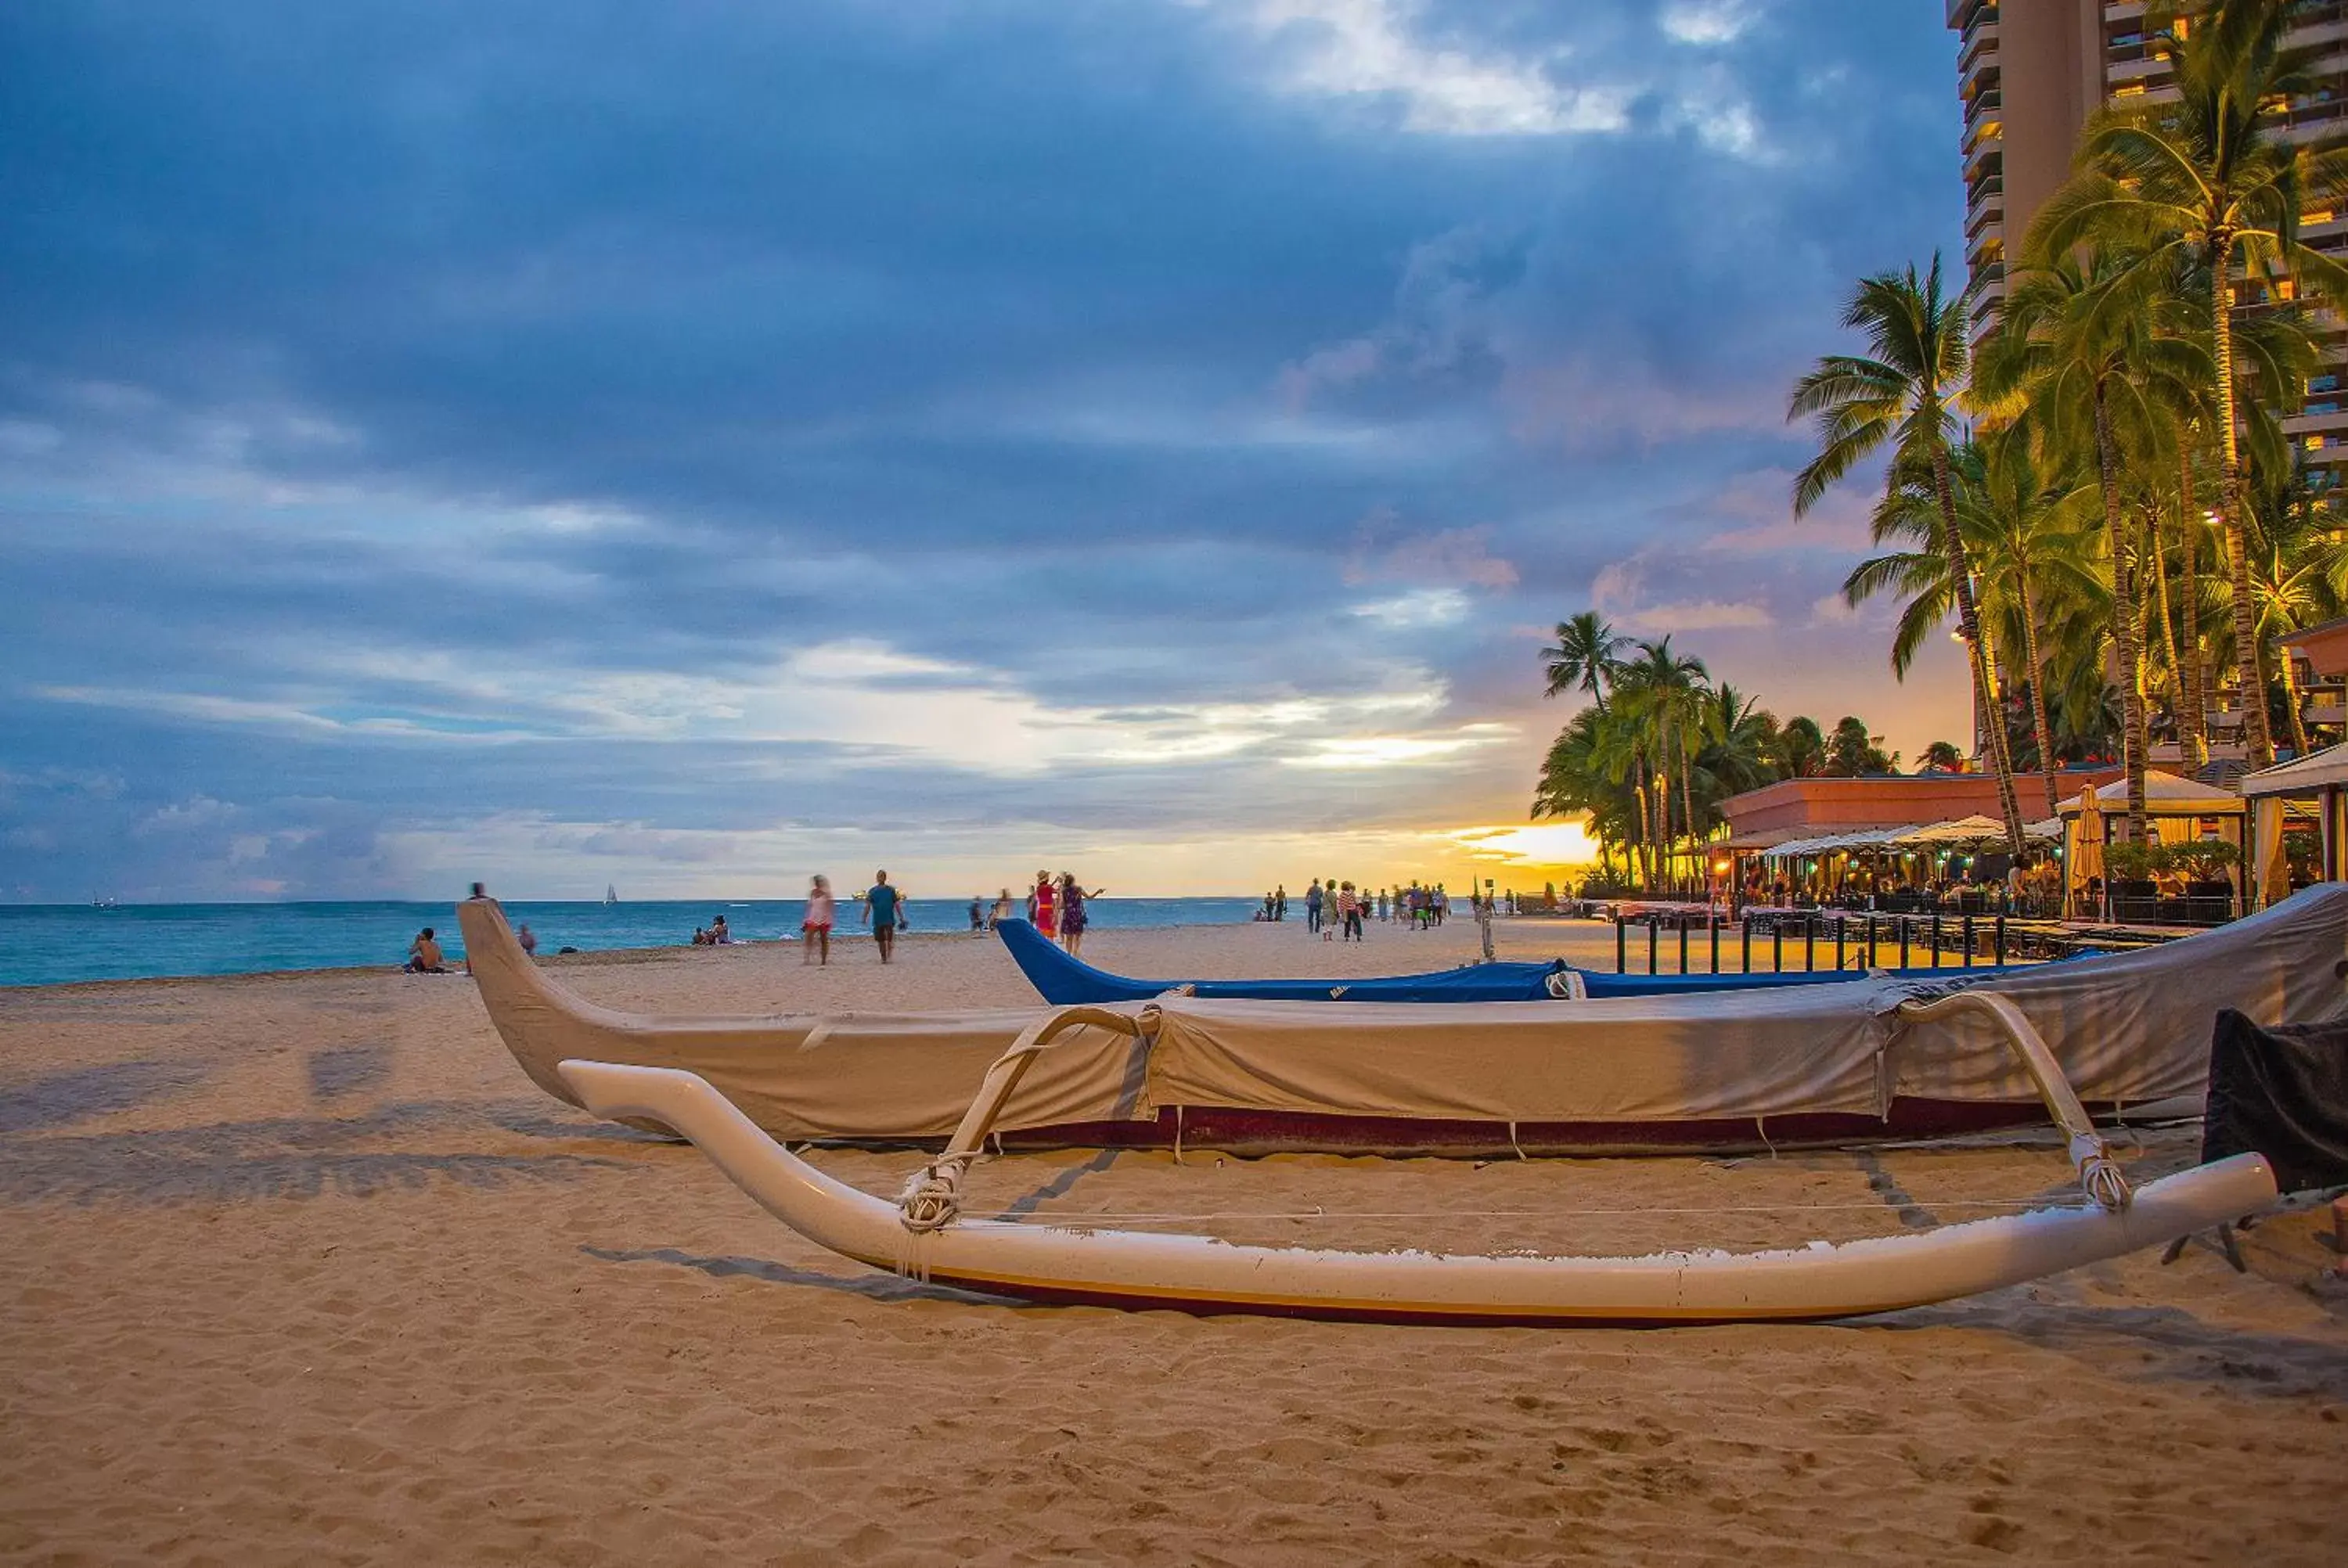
(1065, 981)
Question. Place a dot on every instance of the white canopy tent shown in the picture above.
(2320, 776)
(1975, 829)
(2177, 811)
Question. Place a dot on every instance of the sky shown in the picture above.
(691, 447)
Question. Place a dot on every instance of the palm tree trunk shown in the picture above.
(1969, 627)
(2123, 618)
(1687, 800)
(2256, 736)
(2289, 672)
(1646, 857)
(2040, 729)
(2168, 625)
(1663, 778)
(2196, 717)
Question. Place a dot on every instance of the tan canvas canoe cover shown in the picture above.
(2127, 1030)
(1624, 1059)
(2136, 1026)
(873, 1075)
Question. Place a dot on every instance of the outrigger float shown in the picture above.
(923, 1234)
(1872, 1059)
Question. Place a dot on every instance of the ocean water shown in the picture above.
(48, 944)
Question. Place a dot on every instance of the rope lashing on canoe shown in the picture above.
(932, 1197)
(2099, 1174)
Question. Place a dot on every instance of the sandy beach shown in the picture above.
(301, 1269)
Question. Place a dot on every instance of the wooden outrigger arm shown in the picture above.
(2099, 1173)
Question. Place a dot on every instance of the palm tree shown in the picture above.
(1901, 395)
(1598, 765)
(2091, 345)
(2299, 575)
(1739, 735)
(2031, 551)
(1940, 756)
(1852, 752)
(1800, 749)
(1666, 690)
(2212, 179)
(1585, 655)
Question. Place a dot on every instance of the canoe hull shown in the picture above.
(1733, 1073)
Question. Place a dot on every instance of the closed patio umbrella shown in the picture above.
(2087, 849)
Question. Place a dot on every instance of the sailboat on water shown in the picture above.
(611, 895)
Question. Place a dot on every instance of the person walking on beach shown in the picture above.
(884, 906)
(1349, 905)
(1043, 908)
(528, 939)
(1280, 901)
(815, 926)
(1312, 908)
(1073, 919)
(1001, 910)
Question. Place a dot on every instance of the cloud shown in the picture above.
(1382, 552)
(1707, 22)
(1696, 615)
(1377, 49)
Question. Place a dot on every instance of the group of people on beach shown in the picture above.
(880, 908)
(1336, 910)
(1056, 908)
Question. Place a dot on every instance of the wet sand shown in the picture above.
(300, 1269)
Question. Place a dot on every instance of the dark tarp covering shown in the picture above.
(2281, 1092)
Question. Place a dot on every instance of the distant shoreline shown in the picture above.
(45, 946)
(585, 957)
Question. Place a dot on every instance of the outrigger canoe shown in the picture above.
(1066, 982)
(1730, 1071)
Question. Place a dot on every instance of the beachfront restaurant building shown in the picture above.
(1889, 841)
(1936, 841)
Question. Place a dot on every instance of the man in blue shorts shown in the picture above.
(884, 907)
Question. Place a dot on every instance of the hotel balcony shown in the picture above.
(1980, 42)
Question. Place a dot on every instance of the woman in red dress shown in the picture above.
(1046, 902)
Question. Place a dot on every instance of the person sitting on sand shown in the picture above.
(815, 926)
(423, 955)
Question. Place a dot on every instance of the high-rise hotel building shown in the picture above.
(2030, 71)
